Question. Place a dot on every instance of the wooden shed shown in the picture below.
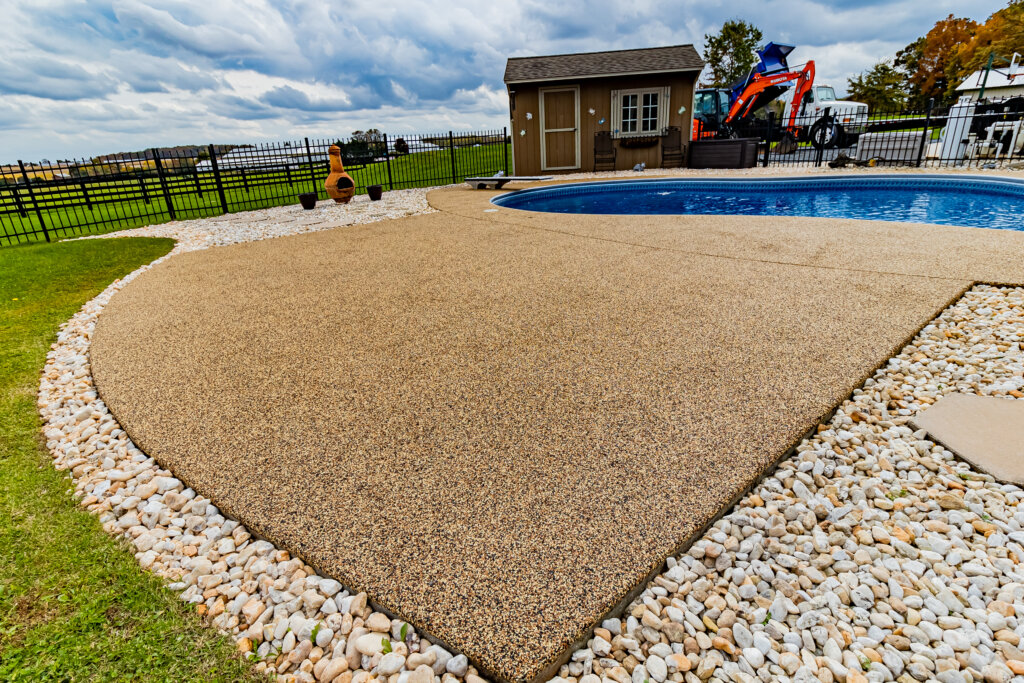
(630, 106)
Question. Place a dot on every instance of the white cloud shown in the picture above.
(85, 77)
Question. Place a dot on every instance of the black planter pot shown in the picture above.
(308, 200)
(375, 192)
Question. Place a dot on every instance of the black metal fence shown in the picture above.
(965, 135)
(85, 196)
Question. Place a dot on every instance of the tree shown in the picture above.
(908, 60)
(931, 63)
(363, 147)
(1002, 34)
(371, 135)
(880, 87)
(731, 53)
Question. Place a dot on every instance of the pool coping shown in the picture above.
(542, 186)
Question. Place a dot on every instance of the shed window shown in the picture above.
(629, 112)
(640, 112)
(649, 122)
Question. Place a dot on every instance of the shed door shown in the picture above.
(560, 128)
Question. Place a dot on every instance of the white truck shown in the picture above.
(848, 119)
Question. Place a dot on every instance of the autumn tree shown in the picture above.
(1002, 34)
(731, 53)
(880, 87)
(931, 63)
(908, 61)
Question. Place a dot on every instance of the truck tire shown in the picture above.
(825, 134)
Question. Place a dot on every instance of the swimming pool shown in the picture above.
(967, 201)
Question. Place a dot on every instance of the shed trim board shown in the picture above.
(608, 75)
(513, 134)
(544, 130)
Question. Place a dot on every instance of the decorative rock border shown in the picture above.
(280, 612)
(870, 555)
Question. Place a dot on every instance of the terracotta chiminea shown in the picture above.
(339, 184)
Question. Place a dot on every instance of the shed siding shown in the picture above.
(595, 94)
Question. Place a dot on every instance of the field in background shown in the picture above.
(90, 198)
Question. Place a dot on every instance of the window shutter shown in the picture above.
(664, 104)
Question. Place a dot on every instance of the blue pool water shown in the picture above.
(966, 201)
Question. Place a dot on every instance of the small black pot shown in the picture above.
(375, 192)
(308, 200)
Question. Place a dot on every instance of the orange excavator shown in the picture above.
(729, 112)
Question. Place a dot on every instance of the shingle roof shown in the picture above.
(595, 64)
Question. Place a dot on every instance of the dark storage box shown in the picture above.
(727, 153)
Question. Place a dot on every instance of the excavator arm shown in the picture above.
(768, 79)
(763, 88)
(803, 85)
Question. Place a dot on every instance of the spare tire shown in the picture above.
(825, 134)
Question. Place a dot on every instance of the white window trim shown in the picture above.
(663, 111)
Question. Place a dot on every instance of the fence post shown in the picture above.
(828, 124)
(163, 185)
(504, 146)
(312, 174)
(85, 194)
(35, 204)
(142, 188)
(216, 180)
(17, 201)
(451, 148)
(924, 135)
(768, 138)
(387, 161)
(288, 175)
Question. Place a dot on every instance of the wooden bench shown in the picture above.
(497, 182)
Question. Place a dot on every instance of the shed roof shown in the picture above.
(649, 60)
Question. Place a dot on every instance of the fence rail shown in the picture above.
(52, 201)
(966, 135)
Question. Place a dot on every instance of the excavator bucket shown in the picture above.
(773, 58)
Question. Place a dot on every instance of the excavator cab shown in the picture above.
(710, 108)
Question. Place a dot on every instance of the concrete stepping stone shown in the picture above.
(986, 431)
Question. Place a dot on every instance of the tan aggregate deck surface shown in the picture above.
(497, 423)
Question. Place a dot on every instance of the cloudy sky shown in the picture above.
(85, 77)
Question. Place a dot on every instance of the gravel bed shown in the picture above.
(279, 221)
(872, 554)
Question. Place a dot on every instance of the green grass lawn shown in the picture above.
(120, 205)
(74, 605)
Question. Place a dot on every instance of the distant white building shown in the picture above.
(1001, 83)
(251, 158)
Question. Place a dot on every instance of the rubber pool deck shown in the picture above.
(496, 422)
